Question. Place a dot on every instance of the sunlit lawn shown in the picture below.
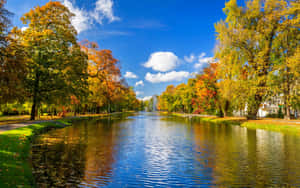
(15, 170)
(22, 118)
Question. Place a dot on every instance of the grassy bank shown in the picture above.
(210, 119)
(15, 145)
(15, 170)
(26, 118)
(273, 126)
(278, 125)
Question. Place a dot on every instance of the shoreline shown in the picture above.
(15, 147)
(277, 125)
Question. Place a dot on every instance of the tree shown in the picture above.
(166, 100)
(232, 81)
(251, 32)
(56, 65)
(13, 70)
(105, 82)
(284, 79)
(12, 61)
(4, 26)
(207, 90)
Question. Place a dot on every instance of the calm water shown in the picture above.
(148, 150)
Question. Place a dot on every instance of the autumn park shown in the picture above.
(69, 117)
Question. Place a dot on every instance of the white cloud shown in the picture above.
(81, 21)
(139, 83)
(130, 75)
(167, 77)
(202, 61)
(24, 28)
(147, 98)
(206, 60)
(84, 19)
(190, 59)
(202, 55)
(104, 9)
(138, 93)
(162, 61)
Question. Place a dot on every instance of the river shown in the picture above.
(149, 150)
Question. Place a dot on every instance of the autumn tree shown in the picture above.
(13, 71)
(284, 79)
(167, 99)
(56, 65)
(127, 100)
(104, 75)
(5, 23)
(207, 90)
(232, 81)
(12, 61)
(251, 32)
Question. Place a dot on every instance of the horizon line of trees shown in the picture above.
(258, 54)
(44, 67)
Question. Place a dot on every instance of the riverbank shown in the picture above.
(15, 170)
(278, 125)
(15, 145)
(4, 120)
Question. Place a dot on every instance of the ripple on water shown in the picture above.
(148, 151)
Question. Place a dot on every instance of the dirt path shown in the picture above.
(11, 123)
(12, 126)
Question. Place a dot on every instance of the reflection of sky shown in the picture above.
(158, 153)
(149, 151)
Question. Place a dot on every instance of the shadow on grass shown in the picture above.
(15, 169)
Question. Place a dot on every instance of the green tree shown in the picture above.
(13, 70)
(12, 61)
(251, 32)
(5, 23)
(56, 65)
(284, 79)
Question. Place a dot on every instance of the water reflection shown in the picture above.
(81, 154)
(148, 150)
(246, 158)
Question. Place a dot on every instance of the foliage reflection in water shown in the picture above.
(148, 150)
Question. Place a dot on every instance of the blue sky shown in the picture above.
(157, 42)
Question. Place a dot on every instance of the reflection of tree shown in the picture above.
(100, 152)
(242, 157)
(70, 156)
(61, 163)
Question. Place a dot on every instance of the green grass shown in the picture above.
(213, 120)
(273, 127)
(15, 146)
(15, 170)
(254, 124)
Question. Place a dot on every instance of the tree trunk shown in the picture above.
(286, 93)
(253, 108)
(35, 97)
(226, 108)
(108, 107)
(33, 109)
(75, 107)
(258, 98)
(220, 114)
(287, 113)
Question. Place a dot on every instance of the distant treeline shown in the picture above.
(257, 60)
